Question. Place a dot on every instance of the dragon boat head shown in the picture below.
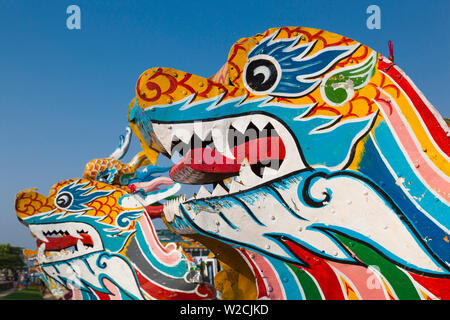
(303, 135)
(97, 241)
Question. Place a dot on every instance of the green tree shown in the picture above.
(11, 257)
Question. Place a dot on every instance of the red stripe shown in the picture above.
(102, 296)
(321, 271)
(262, 290)
(432, 124)
(439, 287)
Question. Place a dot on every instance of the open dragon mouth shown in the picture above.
(64, 241)
(234, 154)
(249, 149)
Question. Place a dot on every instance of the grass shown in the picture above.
(30, 293)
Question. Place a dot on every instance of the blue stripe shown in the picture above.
(288, 281)
(373, 166)
(396, 159)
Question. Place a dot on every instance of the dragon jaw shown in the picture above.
(65, 241)
(213, 150)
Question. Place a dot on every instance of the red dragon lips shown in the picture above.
(206, 161)
(66, 240)
(57, 241)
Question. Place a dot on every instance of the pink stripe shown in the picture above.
(168, 254)
(76, 292)
(112, 288)
(432, 178)
(261, 284)
(275, 289)
(366, 282)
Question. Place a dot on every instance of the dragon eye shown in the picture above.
(103, 178)
(64, 200)
(261, 75)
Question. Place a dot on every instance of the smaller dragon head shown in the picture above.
(93, 233)
(87, 233)
(78, 217)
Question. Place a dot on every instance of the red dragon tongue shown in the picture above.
(59, 243)
(206, 165)
(154, 211)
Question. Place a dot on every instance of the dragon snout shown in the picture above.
(28, 203)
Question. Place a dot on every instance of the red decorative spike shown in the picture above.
(391, 50)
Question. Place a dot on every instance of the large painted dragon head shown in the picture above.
(97, 241)
(312, 141)
(281, 101)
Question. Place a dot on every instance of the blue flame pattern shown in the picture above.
(81, 195)
(300, 73)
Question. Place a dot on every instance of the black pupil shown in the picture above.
(259, 81)
(64, 200)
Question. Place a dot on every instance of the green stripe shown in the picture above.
(309, 286)
(399, 281)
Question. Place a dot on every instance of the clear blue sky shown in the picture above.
(64, 93)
